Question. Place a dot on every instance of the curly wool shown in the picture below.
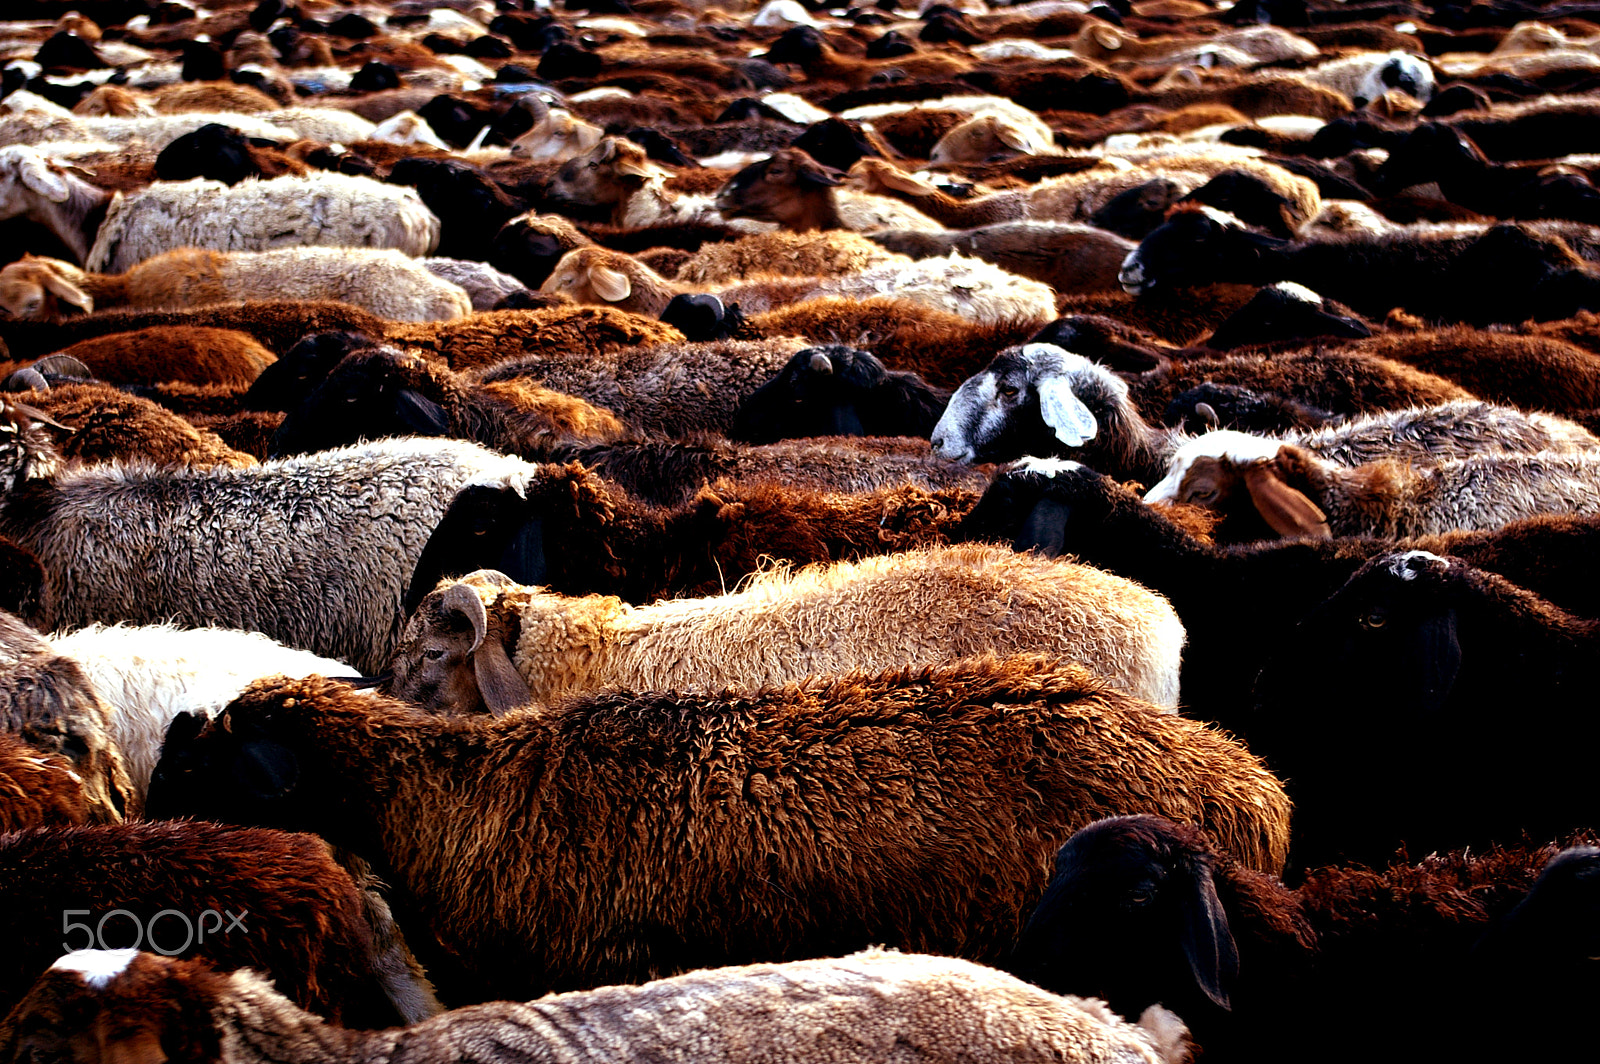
(321, 209)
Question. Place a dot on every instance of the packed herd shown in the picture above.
(650, 530)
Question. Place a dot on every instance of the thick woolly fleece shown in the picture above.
(321, 209)
(313, 551)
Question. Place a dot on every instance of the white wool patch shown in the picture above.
(1222, 218)
(1292, 125)
(783, 13)
(97, 966)
(1019, 48)
(1048, 467)
(1298, 292)
(608, 92)
(1406, 566)
(794, 108)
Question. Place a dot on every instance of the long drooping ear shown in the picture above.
(40, 177)
(1012, 137)
(1439, 653)
(420, 414)
(502, 687)
(1287, 511)
(65, 290)
(636, 168)
(1207, 940)
(1106, 37)
(613, 286)
(1073, 422)
(462, 599)
(892, 177)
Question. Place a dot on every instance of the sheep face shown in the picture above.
(1193, 247)
(26, 177)
(1227, 471)
(1403, 71)
(286, 383)
(557, 138)
(452, 656)
(605, 175)
(780, 189)
(369, 395)
(1132, 915)
(36, 289)
(985, 138)
(1139, 210)
(100, 1006)
(590, 275)
(1430, 151)
(1284, 311)
(1022, 404)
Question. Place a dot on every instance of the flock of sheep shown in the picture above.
(780, 532)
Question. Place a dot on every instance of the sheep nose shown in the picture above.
(1131, 277)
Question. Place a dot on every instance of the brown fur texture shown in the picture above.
(1181, 316)
(1531, 372)
(881, 612)
(795, 191)
(247, 431)
(784, 254)
(111, 425)
(48, 702)
(862, 1008)
(38, 790)
(276, 324)
(624, 836)
(193, 354)
(304, 922)
(671, 389)
(1072, 259)
(491, 336)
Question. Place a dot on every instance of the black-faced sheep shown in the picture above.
(836, 390)
(1027, 753)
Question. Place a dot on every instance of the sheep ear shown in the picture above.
(66, 291)
(502, 687)
(632, 168)
(1208, 942)
(613, 286)
(1288, 511)
(901, 182)
(1073, 422)
(420, 414)
(1106, 37)
(1439, 652)
(1012, 138)
(43, 179)
(462, 599)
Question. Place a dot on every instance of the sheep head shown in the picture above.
(1211, 470)
(985, 138)
(39, 289)
(599, 275)
(1195, 246)
(789, 188)
(1132, 915)
(556, 138)
(1026, 402)
(452, 656)
(120, 1007)
(372, 393)
(605, 175)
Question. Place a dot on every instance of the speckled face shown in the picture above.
(983, 408)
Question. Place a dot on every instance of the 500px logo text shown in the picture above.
(170, 923)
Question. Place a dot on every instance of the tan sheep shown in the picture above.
(991, 135)
(882, 612)
(860, 1009)
(382, 281)
(834, 253)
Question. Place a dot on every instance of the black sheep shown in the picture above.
(834, 390)
(470, 206)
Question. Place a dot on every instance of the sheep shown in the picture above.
(1236, 601)
(1365, 77)
(149, 674)
(229, 536)
(793, 190)
(830, 253)
(38, 790)
(576, 534)
(619, 174)
(673, 389)
(383, 281)
(1069, 258)
(989, 136)
(1443, 648)
(834, 390)
(193, 354)
(557, 137)
(108, 425)
(1038, 399)
(487, 337)
(576, 858)
(1287, 311)
(807, 48)
(1256, 44)
(867, 1004)
(321, 209)
(970, 288)
(486, 287)
(1296, 492)
(1143, 910)
(879, 612)
(224, 154)
(470, 206)
(50, 704)
(278, 904)
(667, 472)
(381, 391)
(1434, 152)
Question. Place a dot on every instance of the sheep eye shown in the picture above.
(1208, 496)
(1376, 617)
(594, 166)
(1008, 391)
(433, 653)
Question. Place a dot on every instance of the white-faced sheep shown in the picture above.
(951, 785)
(381, 280)
(474, 641)
(863, 1007)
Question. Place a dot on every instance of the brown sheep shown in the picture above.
(193, 354)
(295, 915)
(1072, 259)
(1531, 372)
(621, 836)
(793, 190)
(276, 324)
(38, 790)
(48, 702)
(112, 425)
(491, 336)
